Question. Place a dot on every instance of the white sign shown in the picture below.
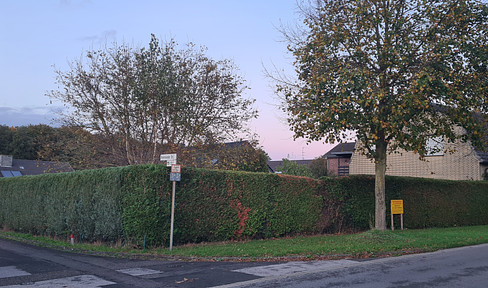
(175, 168)
(169, 158)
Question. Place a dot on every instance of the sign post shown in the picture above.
(396, 208)
(174, 176)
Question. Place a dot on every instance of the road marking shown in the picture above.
(138, 271)
(12, 271)
(81, 281)
(294, 267)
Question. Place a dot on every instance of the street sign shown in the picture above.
(175, 173)
(174, 176)
(169, 158)
(175, 168)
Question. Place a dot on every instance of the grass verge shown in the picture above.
(362, 245)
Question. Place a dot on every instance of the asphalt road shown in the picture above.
(459, 267)
(24, 266)
(31, 266)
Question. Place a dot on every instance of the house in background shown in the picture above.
(338, 159)
(465, 163)
(10, 167)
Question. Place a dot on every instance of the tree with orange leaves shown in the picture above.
(393, 73)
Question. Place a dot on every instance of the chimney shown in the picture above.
(6, 161)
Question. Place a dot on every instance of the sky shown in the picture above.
(37, 37)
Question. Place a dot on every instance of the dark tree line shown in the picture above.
(80, 148)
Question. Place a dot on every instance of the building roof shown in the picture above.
(483, 156)
(20, 167)
(341, 149)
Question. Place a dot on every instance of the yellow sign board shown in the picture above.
(396, 206)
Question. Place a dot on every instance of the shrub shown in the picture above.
(293, 168)
(427, 202)
(85, 203)
(134, 203)
(318, 167)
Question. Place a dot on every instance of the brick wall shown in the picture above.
(333, 165)
(463, 164)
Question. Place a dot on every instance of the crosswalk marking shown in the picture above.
(294, 267)
(12, 271)
(81, 281)
(138, 271)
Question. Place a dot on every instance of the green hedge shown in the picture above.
(213, 205)
(427, 202)
(86, 203)
(133, 204)
(441, 203)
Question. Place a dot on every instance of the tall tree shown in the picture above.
(392, 72)
(155, 97)
(22, 145)
(318, 167)
(6, 135)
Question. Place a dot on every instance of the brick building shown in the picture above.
(338, 159)
(465, 163)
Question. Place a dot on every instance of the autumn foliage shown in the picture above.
(380, 70)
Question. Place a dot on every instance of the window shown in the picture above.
(435, 146)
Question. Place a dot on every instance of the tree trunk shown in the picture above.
(379, 186)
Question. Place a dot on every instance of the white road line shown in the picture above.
(138, 271)
(12, 271)
(81, 281)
